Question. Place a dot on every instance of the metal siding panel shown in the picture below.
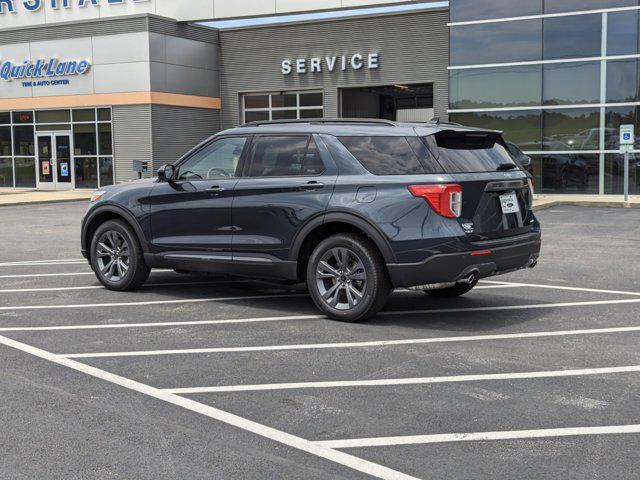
(131, 139)
(413, 47)
(176, 130)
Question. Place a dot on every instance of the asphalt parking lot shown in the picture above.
(532, 375)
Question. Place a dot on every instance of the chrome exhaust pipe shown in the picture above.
(470, 279)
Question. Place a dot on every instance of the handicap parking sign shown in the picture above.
(627, 135)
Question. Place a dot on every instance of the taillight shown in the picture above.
(445, 199)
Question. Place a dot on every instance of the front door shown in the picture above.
(55, 168)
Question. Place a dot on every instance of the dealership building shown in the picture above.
(92, 90)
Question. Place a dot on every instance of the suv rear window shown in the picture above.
(391, 155)
(470, 152)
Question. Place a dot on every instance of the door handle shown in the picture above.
(312, 185)
(216, 189)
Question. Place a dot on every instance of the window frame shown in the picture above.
(239, 168)
(310, 136)
(270, 109)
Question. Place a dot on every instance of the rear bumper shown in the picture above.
(485, 261)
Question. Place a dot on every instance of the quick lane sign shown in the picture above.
(43, 68)
(33, 6)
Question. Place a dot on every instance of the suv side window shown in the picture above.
(219, 159)
(284, 156)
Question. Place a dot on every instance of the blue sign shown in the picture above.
(64, 169)
(32, 6)
(626, 136)
(45, 68)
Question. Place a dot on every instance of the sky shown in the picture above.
(316, 16)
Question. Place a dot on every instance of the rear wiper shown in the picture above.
(506, 166)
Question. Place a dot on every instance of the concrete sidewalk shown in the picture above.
(542, 202)
(11, 196)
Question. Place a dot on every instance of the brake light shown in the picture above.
(445, 199)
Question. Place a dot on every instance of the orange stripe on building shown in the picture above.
(110, 99)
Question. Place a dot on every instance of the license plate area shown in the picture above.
(509, 203)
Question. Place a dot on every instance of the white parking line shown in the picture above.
(405, 381)
(36, 275)
(44, 262)
(478, 436)
(377, 343)
(100, 287)
(27, 264)
(562, 287)
(162, 324)
(151, 302)
(279, 436)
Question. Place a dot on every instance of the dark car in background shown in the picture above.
(354, 208)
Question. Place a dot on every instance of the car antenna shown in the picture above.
(435, 120)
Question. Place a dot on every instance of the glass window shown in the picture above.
(385, 155)
(573, 37)
(496, 87)
(5, 142)
(462, 152)
(614, 174)
(23, 137)
(497, 43)
(313, 113)
(6, 172)
(106, 171)
(467, 10)
(256, 101)
(84, 139)
(104, 114)
(51, 127)
(623, 81)
(22, 117)
(284, 115)
(616, 116)
(622, 33)
(25, 172)
(313, 99)
(571, 129)
(256, 116)
(86, 172)
(53, 116)
(524, 128)
(5, 118)
(557, 6)
(283, 156)
(284, 100)
(84, 115)
(561, 88)
(218, 159)
(566, 173)
(105, 144)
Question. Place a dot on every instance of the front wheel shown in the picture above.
(116, 257)
(347, 278)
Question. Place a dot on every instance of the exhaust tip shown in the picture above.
(470, 279)
(533, 263)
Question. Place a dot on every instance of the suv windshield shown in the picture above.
(468, 152)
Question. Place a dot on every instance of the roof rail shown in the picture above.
(437, 121)
(323, 121)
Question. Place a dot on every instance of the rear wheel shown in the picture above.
(347, 278)
(457, 290)
(116, 257)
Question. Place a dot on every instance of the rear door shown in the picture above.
(497, 198)
(287, 180)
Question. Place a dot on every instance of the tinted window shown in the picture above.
(622, 81)
(285, 156)
(523, 128)
(466, 10)
(460, 152)
(556, 6)
(387, 155)
(84, 139)
(497, 43)
(219, 159)
(572, 129)
(566, 173)
(622, 33)
(5, 141)
(573, 37)
(23, 141)
(496, 87)
(616, 116)
(560, 87)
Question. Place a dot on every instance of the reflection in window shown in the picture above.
(614, 174)
(105, 143)
(218, 159)
(496, 87)
(6, 172)
(622, 81)
(106, 171)
(84, 139)
(571, 129)
(53, 116)
(24, 141)
(283, 156)
(520, 127)
(622, 33)
(561, 88)
(503, 42)
(84, 115)
(616, 116)
(467, 10)
(557, 6)
(573, 37)
(5, 141)
(566, 173)
(25, 172)
(86, 172)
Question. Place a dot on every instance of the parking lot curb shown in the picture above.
(544, 205)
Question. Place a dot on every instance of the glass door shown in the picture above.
(54, 161)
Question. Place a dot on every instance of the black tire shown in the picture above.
(127, 251)
(457, 290)
(363, 272)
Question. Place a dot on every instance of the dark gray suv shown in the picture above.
(354, 208)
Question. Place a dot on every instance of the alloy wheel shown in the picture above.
(341, 278)
(113, 256)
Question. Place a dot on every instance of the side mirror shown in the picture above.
(525, 161)
(166, 173)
